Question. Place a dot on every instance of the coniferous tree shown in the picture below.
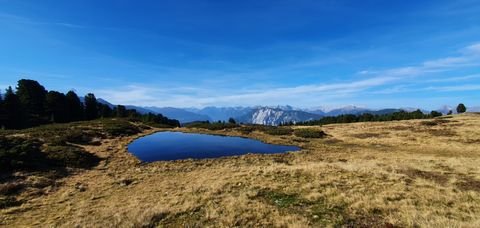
(435, 114)
(104, 111)
(3, 116)
(91, 111)
(13, 110)
(132, 113)
(231, 121)
(121, 111)
(461, 108)
(74, 106)
(32, 95)
(56, 107)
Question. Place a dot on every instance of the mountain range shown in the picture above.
(266, 115)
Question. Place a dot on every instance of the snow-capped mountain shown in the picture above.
(276, 116)
(222, 113)
(269, 115)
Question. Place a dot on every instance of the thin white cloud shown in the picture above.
(24, 20)
(193, 96)
(456, 79)
(467, 87)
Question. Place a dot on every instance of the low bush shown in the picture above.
(271, 130)
(10, 188)
(310, 133)
(278, 131)
(16, 153)
(70, 156)
(159, 125)
(211, 126)
(120, 128)
(75, 136)
(9, 201)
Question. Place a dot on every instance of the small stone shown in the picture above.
(80, 187)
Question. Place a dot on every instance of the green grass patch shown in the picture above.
(280, 199)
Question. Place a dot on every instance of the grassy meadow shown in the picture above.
(415, 173)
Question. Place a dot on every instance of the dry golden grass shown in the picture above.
(402, 173)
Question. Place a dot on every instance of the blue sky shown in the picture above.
(305, 53)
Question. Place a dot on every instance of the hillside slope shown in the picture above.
(422, 173)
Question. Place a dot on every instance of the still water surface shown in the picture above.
(166, 146)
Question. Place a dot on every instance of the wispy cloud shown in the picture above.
(200, 96)
(467, 87)
(24, 20)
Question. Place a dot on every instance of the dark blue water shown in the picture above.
(166, 146)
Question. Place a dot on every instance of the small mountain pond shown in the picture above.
(169, 145)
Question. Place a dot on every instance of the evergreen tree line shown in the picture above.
(368, 117)
(32, 105)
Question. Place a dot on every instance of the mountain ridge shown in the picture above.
(269, 115)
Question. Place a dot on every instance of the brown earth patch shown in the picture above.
(436, 177)
(366, 135)
(468, 184)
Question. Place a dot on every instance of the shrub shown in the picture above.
(76, 136)
(10, 188)
(461, 108)
(10, 201)
(310, 133)
(246, 129)
(278, 131)
(17, 152)
(71, 156)
(211, 126)
(120, 128)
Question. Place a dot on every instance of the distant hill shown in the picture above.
(353, 110)
(181, 115)
(141, 110)
(347, 110)
(267, 115)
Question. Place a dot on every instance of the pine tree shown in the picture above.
(56, 107)
(74, 107)
(121, 111)
(13, 110)
(435, 114)
(231, 121)
(461, 108)
(32, 95)
(3, 116)
(91, 111)
(104, 111)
